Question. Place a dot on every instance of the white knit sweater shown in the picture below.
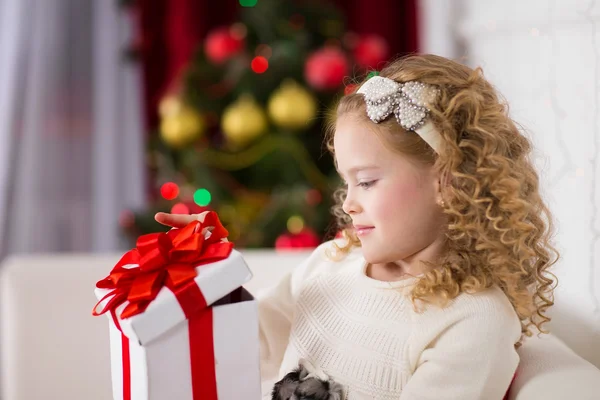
(366, 335)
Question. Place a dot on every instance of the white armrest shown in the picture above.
(549, 370)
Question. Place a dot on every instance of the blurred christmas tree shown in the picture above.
(242, 131)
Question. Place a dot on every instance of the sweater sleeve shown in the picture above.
(276, 312)
(472, 355)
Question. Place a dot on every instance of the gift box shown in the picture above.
(181, 325)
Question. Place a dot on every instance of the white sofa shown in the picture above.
(52, 347)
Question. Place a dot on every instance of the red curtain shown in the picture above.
(170, 31)
(394, 20)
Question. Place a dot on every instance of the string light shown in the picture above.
(248, 3)
(180, 208)
(169, 190)
(202, 197)
(259, 64)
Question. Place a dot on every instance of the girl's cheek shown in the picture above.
(406, 194)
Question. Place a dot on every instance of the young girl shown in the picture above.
(443, 265)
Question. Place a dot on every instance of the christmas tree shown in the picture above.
(242, 131)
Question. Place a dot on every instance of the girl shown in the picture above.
(443, 263)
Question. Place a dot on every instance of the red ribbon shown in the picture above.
(126, 367)
(170, 259)
(164, 259)
(202, 354)
(125, 362)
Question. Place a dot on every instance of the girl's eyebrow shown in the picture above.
(358, 168)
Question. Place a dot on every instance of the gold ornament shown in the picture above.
(295, 224)
(180, 123)
(292, 106)
(243, 122)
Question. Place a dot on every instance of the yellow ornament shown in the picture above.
(181, 124)
(243, 122)
(295, 224)
(292, 106)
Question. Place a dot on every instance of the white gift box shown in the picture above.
(154, 353)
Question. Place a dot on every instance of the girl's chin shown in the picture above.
(372, 256)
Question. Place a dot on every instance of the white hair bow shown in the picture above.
(408, 101)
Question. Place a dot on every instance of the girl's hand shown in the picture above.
(178, 220)
(181, 220)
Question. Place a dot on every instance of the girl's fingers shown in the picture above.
(181, 220)
(176, 220)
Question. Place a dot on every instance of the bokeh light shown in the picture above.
(259, 64)
(248, 3)
(169, 190)
(202, 197)
(295, 224)
(180, 208)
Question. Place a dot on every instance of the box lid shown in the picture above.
(215, 281)
(169, 277)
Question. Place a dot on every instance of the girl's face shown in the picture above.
(392, 200)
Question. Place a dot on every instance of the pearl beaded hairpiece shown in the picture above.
(408, 101)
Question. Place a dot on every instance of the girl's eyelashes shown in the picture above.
(366, 184)
(363, 184)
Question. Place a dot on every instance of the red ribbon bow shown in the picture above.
(164, 259)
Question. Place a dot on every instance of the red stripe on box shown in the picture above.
(126, 361)
(202, 354)
(190, 298)
(126, 368)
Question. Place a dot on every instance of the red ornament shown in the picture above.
(326, 68)
(371, 51)
(259, 64)
(169, 190)
(306, 239)
(221, 45)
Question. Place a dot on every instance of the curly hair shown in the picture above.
(498, 227)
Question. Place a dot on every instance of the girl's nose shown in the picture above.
(350, 206)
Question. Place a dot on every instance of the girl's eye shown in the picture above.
(366, 185)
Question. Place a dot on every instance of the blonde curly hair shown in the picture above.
(499, 229)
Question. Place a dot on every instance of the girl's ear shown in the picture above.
(441, 181)
(444, 179)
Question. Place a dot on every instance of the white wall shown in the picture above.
(544, 56)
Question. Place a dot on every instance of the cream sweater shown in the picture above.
(365, 335)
